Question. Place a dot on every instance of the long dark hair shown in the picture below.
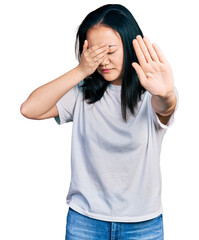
(120, 19)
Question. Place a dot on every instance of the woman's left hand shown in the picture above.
(153, 70)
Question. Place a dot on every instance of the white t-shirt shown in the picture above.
(115, 166)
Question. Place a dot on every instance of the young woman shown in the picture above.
(121, 99)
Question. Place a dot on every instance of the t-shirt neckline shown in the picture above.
(112, 86)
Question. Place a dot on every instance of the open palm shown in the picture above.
(153, 70)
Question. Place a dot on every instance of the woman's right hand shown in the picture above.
(92, 57)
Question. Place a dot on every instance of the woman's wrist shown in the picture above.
(81, 72)
(164, 105)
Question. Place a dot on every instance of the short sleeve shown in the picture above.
(154, 116)
(66, 106)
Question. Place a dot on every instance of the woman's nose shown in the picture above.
(105, 62)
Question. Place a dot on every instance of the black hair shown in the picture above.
(120, 19)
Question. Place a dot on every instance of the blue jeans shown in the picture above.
(81, 227)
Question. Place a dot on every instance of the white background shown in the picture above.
(37, 46)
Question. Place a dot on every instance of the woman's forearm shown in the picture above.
(45, 97)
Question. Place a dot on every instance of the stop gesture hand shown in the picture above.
(153, 70)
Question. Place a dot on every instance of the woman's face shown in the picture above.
(111, 68)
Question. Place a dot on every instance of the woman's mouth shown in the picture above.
(106, 70)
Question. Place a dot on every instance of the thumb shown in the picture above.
(140, 73)
(85, 46)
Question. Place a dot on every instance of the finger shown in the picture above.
(99, 51)
(159, 53)
(95, 47)
(140, 73)
(143, 48)
(85, 46)
(99, 56)
(139, 54)
(101, 60)
(151, 50)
